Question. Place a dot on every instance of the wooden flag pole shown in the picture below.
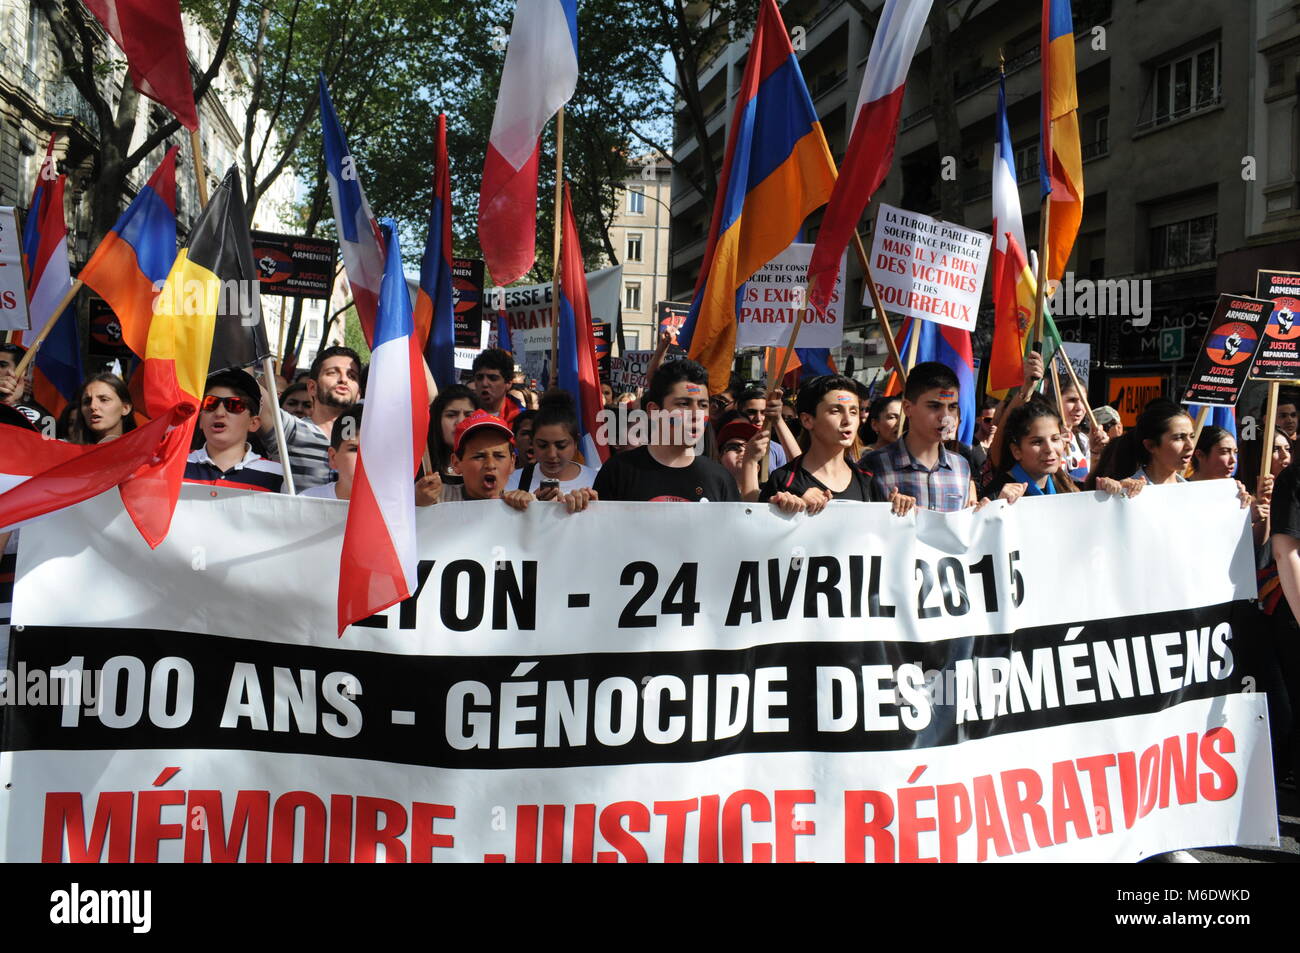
(913, 345)
(879, 308)
(555, 261)
(1079, 388)
(196, 149)
(1270, 431)
(49, 326)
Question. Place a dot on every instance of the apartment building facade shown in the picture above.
(640, 234)
(1188, 119)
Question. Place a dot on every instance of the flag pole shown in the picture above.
(1270, 431)
(555, 261)
(49, 326)
(878, 307)
(268, 369)
(196, 150)
(912, 346)
(279, 361)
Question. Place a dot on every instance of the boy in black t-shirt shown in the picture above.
(830, 413)
(668, 468)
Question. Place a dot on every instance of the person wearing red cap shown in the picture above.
(483, 454)
(741, 447)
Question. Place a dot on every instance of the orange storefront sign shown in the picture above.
(1129, 395)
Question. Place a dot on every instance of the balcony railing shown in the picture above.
(1092, 150)
(63, 99)
(1177, 114)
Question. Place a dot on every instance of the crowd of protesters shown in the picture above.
(834, 441)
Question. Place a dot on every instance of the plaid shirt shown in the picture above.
(944, 488)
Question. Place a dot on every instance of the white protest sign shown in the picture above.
(13, 293)
(1080, 354)
(949, 686)
(925, 268)
(528, 308)
(776, 293)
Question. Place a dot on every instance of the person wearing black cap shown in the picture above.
(229, 412)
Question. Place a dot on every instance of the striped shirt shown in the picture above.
(945, 487)
(309, 450)
(251, 473)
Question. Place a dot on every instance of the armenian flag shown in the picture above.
(777, 170)
(136, 255)
(577, 344)
(435, 332)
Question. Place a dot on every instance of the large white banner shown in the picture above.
(13, 292)
(642, 681)
(927, 268)
(776, 293)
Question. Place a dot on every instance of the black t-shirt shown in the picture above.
(793, 478)
(1285, 508)
(635, 476)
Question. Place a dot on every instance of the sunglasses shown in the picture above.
(235, 405)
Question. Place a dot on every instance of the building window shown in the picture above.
(636, 201)
(34, 37)
(1189, 242)
(1185, 85)
(634, 248)
(1027, 161)
(632, 296)
(313, 329)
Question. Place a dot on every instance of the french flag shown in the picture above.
(577, 345)
(871, 143)
(539, 77)
(58, 373)
(1013, 286)
(359, 238)
(377, 565)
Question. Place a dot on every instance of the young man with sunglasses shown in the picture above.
(229, 413)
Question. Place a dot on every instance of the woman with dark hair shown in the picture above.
(1035, 439)
(452, 405)
(1156, 450)
(884, 423)
(103, 410)
(553, 470)
(1250, 476)
(1215, 457)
